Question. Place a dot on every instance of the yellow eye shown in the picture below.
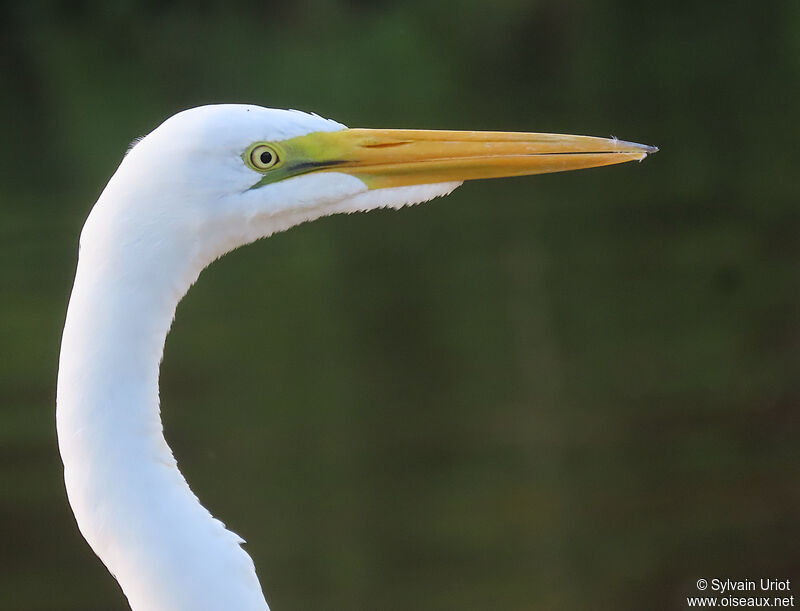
(263, 157)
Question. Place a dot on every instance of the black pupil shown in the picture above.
(265, 157)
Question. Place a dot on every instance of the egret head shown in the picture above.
(213, 178)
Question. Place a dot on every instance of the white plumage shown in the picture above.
(183, 196)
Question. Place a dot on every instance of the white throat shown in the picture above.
(130, 500)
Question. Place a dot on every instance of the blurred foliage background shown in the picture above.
(575, 391)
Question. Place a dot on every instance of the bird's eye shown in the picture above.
(263, 157)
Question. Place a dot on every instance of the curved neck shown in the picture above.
(130, 500)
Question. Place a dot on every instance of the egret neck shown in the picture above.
(130, 500)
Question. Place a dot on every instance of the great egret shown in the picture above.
(206, 181)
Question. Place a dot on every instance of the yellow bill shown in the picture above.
(399, 157)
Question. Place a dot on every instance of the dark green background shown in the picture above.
(576, 391)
